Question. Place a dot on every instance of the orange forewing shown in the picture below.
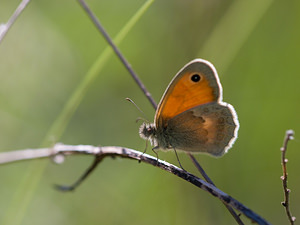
(184, 94)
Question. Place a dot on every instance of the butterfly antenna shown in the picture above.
(139, 118)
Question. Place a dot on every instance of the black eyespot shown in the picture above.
(196, 78)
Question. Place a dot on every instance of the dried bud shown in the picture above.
(58, 159)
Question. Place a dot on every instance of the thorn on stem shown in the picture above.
(283, 204)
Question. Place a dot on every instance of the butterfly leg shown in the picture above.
(155, 152)
(146, 146)
(178, 159)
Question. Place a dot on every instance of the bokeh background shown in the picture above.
(46, 55)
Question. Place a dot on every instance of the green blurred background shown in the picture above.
(45, 56)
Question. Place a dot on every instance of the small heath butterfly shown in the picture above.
(191, 115)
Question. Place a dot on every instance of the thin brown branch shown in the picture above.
(207, 178)
(113, 151)
(5, 27)
(289, 135)
(117, 51)
(98, 25)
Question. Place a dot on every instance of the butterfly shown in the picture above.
(191, 115)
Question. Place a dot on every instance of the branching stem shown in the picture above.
(100, 153)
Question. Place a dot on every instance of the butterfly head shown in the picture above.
(147, 131)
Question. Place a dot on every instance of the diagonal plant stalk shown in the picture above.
(146, 93)
(111, 43)
(16, 209)
(30, 181)
(4, 28)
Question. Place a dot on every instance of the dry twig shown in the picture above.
(207, 178)
(60, 150)
(5, 27)
(289, 135)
